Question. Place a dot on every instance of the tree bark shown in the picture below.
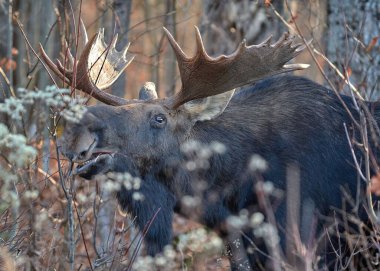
(6, 44)
(122, 14)
(170, 60)
(352, 44)
(226, 23)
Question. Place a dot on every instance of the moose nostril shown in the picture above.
(82, 155)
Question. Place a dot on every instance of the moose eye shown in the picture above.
(159, 118)
(158, 121)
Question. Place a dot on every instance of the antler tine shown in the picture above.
(98, 67)
(84, 33)
(114, 40)
(68, 53)
(67, 73)
(53, 67)
(180, 55)
(204, 76)
(88, 83)
(106, 63)
(268, 40)
(201, 51)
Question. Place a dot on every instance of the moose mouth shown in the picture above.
(96, 161)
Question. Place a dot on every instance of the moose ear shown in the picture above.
(208, 108)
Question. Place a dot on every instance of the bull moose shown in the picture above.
(283, 121)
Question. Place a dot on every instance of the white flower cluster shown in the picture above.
(257, 164)
(197, 241)
(8, 197)
(269, 234)
(74, 111)
(31, 194)
(200, 241)
(200, 153)
(265, 230)
(164, 261)
(15, 148)
(13, 107)
(191, 202)
(239, 221)
(51, 97)
(41, 218)
(243, 220)
(114, 180)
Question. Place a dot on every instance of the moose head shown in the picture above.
(152, 127)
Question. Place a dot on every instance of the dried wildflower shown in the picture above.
(19, 153)
(31, 194)
(268, 232)
(190, 202)
(41, 218)
(237, 222)
(257, 163)
(56, 98)
(256, 219)
(199, 240)
(3, 131)
(169, 252)
(268, 188)
(111, 186)
(190, 146)
(199, 153)
(82, 198)
(144, 263)
(218, 147)
(137, 196)
(160, 261)
(13, 107)
(74, 112)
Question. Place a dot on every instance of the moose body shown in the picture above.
(288, 122)
(285, 120)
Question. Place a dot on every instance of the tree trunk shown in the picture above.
(6, 45)
(352, 44)
(170, 60)
(122, 9)
(226, 23)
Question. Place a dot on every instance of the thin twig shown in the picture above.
(7, 82)
(353, 154)
(83, 238)
(320, 67)
(31, 47)
(338, 72)
(145, 231)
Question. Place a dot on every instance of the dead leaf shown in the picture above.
(375, 184)
(371, 44)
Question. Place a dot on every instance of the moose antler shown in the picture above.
(204, 76)
(98, 67)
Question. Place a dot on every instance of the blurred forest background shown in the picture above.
(43, 228)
